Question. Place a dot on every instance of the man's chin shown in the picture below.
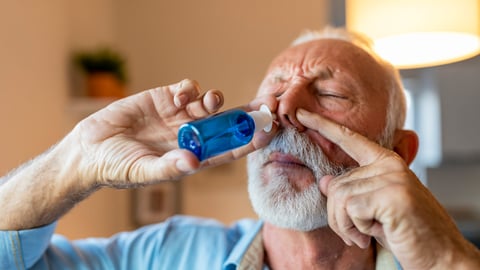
(298, 226)
(280, 205)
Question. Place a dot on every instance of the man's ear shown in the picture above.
(405, 144)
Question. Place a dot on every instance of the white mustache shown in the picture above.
(290, 141)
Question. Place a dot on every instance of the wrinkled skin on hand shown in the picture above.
(134, 141)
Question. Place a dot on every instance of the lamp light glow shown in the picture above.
(418, 33)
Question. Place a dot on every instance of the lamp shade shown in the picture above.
(418, 33)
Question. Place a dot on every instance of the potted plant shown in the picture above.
(104, 70)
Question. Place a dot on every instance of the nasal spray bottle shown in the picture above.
(224, 131)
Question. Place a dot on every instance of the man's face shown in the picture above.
(337, 80)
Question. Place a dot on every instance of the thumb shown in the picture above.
(324, 183)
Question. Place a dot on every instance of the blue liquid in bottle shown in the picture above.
(221, 132)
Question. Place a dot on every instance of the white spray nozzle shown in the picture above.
(263, 118)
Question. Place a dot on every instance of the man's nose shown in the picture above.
(288, 103)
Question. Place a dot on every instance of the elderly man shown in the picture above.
(330, 183)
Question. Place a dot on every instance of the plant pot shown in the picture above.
(104, 85)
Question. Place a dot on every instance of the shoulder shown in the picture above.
(180, 225)
(182, 242)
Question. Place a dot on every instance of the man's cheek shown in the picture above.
(333, 152)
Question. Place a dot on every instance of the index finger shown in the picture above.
(360, 148)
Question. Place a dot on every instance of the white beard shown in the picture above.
(275, 200)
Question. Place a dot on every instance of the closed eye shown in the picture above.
(333, 101)
(332, 95)
(278, 82)
(322, 92)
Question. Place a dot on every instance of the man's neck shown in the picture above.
(319, 249)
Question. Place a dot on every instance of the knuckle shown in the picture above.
(193, 83)
(346, 132)
(352, 207)
(345, 228)
(187, 84)
(401, 194)
(336, 191)
(395, 163)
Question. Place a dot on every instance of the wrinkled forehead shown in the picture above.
(334, 54)
(332, 51)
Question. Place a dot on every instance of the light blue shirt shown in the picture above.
(180, 242)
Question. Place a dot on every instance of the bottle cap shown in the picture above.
(263, 118)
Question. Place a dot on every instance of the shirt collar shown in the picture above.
(248, 253)
(385, 259)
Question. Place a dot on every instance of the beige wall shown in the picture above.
(33, 78)
(222, 44)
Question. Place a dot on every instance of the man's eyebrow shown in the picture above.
(324, 73)
(329, 72)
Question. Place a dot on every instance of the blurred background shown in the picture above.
(222, 45)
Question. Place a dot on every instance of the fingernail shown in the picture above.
(348, 242)
(212, 100)
(180, 100)
(302, 111)
(217, 99)
(183, 166)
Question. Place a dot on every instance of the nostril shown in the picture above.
(288, 121)
(292, 123)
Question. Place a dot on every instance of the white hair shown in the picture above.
(396, 108)
(278, 199)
